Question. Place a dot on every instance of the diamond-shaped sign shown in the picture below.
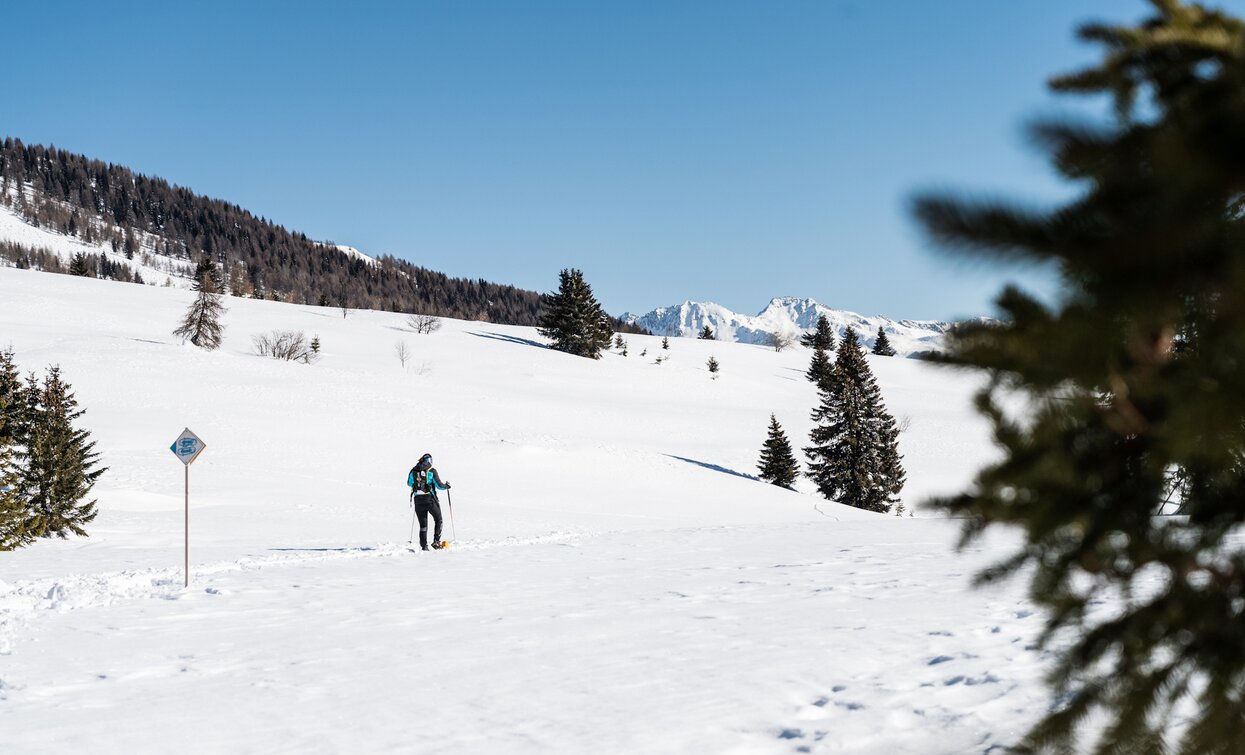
(187, 447)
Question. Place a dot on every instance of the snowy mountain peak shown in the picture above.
(789, 315)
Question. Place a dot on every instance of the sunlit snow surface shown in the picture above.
(620, 582)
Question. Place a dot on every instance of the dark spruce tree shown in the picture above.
(820, 369)
(855, 457)
(207, 277)
(665, 343)
(819, 337)
(1131, 373)
(713, 366)
(882, 345)
(78, 265)
(15, 528)
(574, 320)
(201, 324)
(60, 464)
(706, 334)
(778, 464)
(13, 393)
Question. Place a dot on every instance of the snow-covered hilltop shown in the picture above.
(791, 316)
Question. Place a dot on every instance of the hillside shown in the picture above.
(791, 316)
(129, 222)
(615, 562)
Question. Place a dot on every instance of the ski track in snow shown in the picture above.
(24, 601)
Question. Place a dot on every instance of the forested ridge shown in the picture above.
(112, 205)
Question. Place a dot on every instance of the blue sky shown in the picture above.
(720, 150)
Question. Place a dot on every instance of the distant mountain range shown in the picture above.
(791, 316)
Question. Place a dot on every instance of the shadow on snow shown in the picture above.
(713, 467)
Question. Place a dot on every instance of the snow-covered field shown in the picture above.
(620, 583)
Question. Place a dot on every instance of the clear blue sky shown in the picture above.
(716, 150)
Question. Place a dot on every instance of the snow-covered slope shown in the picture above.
(791, 316)
(619, 584)
(353, 253)
(155, 269)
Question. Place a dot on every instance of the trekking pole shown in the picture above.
(449, 498)
(411, 539)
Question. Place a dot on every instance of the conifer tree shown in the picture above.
(1150, 251)
(13, 393)
(706, 334)
(14, 518)
(665, 343)
(882, 345)
(821, 336)
(713, 366)
(207, 277)
(201, 325)
(855, 458)
(15, 528)
(573, 318)
(778, 464)
(61, 465)
(79, 266)
(820, 369)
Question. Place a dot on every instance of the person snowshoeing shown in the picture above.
(424, 483)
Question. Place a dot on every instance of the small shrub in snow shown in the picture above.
(403, 352)
(290, 345)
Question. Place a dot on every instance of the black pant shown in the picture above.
(425, 505)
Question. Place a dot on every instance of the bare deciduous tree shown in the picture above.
(403, 352)
(424, 324)
(779, 340)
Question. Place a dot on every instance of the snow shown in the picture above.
(619, 581)
(351, 252)
(154, 268)
(788, 316)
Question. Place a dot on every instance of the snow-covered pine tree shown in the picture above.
(855, 458)
(821, 336)
(61, 465)
(713, 366)
(882, 345)
(201, 325)
(573, 318)
(778, 465)
(618, 342)
(665, 343)
(706, 334)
